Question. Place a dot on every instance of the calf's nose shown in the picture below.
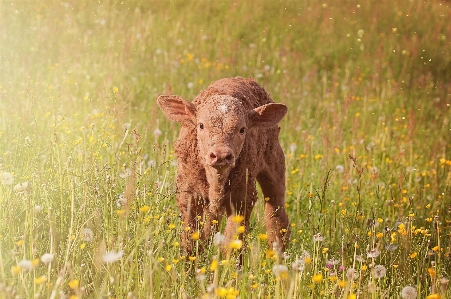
(220, 157)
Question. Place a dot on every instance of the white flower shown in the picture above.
(379, 271)
(409, 292)
(22, 187)
(26, 265)
(38, 209)
(410, 169)
(293, 148)
(112, 256)
(126, 173)
(156, 133)
(279, 270)
(200, 275)
(7, 178)
(218, 239)
(373, 253)
(190, 85)
(47, 258)
(298, 265)
(352, 274)
(340, 168)
(318, 238)
(121, 201)
(87, 234)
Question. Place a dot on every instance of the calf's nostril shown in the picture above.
(212, 155)
(229, 157)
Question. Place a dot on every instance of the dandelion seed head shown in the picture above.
(21, 187)
(47, 258)
(87, 234)
(218, 239)
(26, 265)
(379, 271)
(340, 168)
(112, 256)
(409, 292)
(7, 178)
(373, 253)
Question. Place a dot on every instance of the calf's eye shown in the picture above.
(242, 130)
(201, 126)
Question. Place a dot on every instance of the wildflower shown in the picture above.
(26, 265)
(214, 264)
(15, 270)
(409, 292)
(168, 268)
(413, 255)
(434, 296)
(373, 253)
(40, 280)
(121, 201)
(240, 229)
(318, 238)
(293, 148)
(190, 85)
(112, 256)
(340, 168)
(157, 133)
(73, 284)
(432, 272)
(47, 258)
(87, 235)
(238, 218)
(38, 209)
(192, 258)
(280, 271)
(379, 271)
(352, 274)
(317, 278)
(342, 283)
(218, 239)
(195, 236)
(144, 209)
(200, 274)
(126, 173)
(221, 292)
(298, 265)
(22, 187)
(391, 247)
(236, 244)
(262, 237)
(115, 89)
(7, 178)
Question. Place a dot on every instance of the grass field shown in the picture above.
(87, 203)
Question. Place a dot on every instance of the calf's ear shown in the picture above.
(177, 108)
(268, 115)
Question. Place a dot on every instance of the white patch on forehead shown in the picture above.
(223, 108)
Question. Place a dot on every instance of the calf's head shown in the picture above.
(222, 124)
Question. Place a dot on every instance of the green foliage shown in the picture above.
(87, 164)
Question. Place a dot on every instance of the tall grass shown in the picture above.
(87, 203)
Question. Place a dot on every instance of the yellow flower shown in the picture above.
(35, 262)
(82, 246)
(214, 221)
(221, 292)
(436, 248)
(195, 236)
(342, 283)
(144, 209)
(15, 270)
(379, 235)
(413, 255)
(192, 258)
(431, 272)
(433, 296)
(333, 277)
(325, 250)
(171, 226)
(262, 237)
(115, 89)
(120, 212)
(238, 218)
(236, 244)
(240, 229)
(40, 279)
(19, 243)
(73, 284)
(317, 278)
(213, 265)
(168, 268)
(352, 296)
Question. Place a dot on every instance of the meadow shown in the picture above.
(87, 199)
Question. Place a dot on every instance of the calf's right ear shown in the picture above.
(177, 108)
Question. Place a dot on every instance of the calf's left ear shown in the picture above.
(268, 115)
(177, 108)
